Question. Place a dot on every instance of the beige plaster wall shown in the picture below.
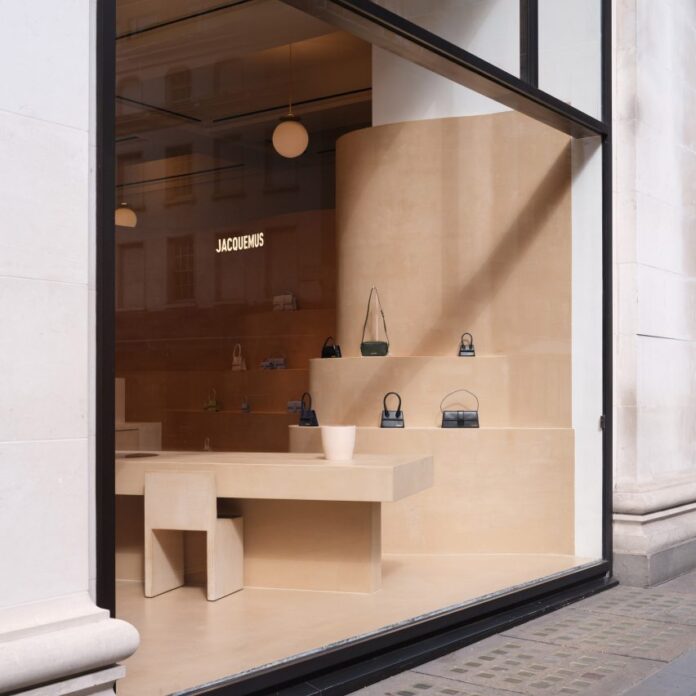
(464, 225)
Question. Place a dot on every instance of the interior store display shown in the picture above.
(308, 416)
(460, 417)
(374, 346)
(338, 442)
(287, 302)
(330, 349)
(211, 403)
(238, 360)
(392, 418)
(466, 346)
(294, 406)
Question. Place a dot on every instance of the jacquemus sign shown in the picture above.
(241, 243)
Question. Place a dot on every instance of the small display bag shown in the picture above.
(238, 361)
(374, 347)
(459, 418)
(211, 403)
(278, 363)
(466, 347)
(330, 349)
(286, 302)
(308, 417)
(392, 419)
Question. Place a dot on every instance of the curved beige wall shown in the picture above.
(464, 224)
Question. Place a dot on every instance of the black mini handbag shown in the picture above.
(374, 348)
(308, 416)
(459, 418)
(392, 419)
(330, 349)
(466, 349)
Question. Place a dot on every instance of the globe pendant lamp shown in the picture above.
(290, 137)
(125, 216)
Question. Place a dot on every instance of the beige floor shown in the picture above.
(188, 641)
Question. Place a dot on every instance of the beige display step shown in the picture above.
(518, 390)
(496, 490)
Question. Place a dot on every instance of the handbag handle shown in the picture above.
(237, 352)
(373, 289)
(309, 398)
(456, 391)
(326, 342)
(471, 340)
(384, 403)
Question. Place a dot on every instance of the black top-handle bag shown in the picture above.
(308, 416)
(378, 348)
(392, 419)
(466, 348)
(330, 349)
(459, 418)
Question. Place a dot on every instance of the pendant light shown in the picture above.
(125, 216)
(290, 137)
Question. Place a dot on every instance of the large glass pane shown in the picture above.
(570, 52)
(404, 259)
(490, 29)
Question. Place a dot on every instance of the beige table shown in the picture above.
(309, 523)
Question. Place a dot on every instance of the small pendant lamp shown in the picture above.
(125, 216)
(290, 137)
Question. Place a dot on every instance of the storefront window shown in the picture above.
(425, 270)
(570, 52)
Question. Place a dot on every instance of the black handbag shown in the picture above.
(459, 418)
(466, 349)
(374, 348)
(308, 416)
(392, 419)
(330, 350)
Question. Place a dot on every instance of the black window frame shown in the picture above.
(355, 663)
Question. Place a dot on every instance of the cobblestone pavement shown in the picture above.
(628, 641)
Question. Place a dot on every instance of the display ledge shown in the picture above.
(515, 390)
(433, 428)
(227, 412)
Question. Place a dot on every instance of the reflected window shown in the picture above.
(180, 265)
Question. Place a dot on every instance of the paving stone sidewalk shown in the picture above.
(628, 641)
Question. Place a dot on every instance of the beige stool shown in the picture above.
(176, 502)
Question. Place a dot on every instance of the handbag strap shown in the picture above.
(326, 342)
(373, 289)
(471, 340)
(309, 398)
(456, 391)
(384, 403)
(237, 352)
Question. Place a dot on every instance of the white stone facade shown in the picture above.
(655, 264)
(50, 627)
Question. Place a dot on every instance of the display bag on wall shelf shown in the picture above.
(374, 346)
(459, 417)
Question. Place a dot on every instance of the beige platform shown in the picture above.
(515, 391)
(497, 490)
(309, 523)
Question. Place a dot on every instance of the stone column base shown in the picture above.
(654, 547)
(62, 647)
